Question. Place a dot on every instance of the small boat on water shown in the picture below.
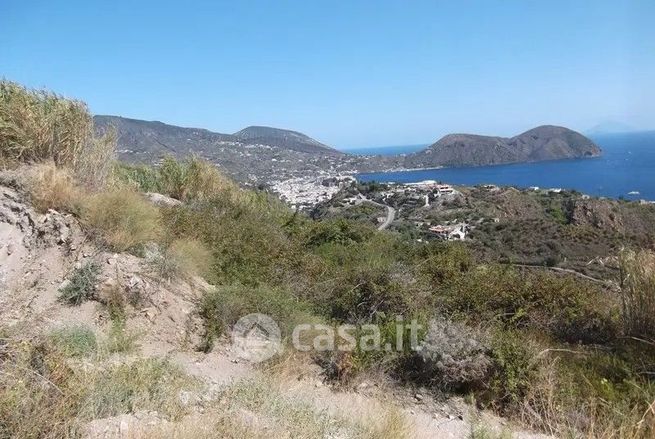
(633, 193)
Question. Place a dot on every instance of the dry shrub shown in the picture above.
(51, 187)
(454, 355)
(122, 218)
(638, 293)
(184, 258)
(194, 179)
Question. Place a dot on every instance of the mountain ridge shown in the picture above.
(545, 142)
(261, 154)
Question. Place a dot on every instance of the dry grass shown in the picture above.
(553, 407)
(38, 126)
(638, 293)
(51, 187)
(122, 218)
(194, 179)
(182, 258)
(95, 163)
(45, 394)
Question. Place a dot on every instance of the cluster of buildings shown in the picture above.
(305, 192)
(421, 193)
(451, 232)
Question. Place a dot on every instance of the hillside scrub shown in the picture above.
(221, 308)
(44, 394)
(638, 293)
(190, 180)
(555, 351)
(182, 258)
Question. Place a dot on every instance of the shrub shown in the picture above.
(247, 242)
(638, 293)
(190, 180)
(222, 307)
(51, 187)
(565, 307)
(441, 262)
(453, 356)
(182, 258)
(140, 177)
(339, 231)
(123, 218)
(75, 341)
(81, 285)
(513, 369)
(364, 293)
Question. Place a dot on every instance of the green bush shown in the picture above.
(190, 180)
(247, 242)
(513, 369)
(441, 262)
(81, 285)
(338, 231)
(222, 307)
(563, 306)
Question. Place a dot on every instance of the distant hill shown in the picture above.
(154, 138)
(254, 155)
(260, 154)
(609, 127)
(283, 138)
(546, 142)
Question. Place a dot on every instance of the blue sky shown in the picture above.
(349, 73)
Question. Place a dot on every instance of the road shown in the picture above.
(391, 215)
(391, 212)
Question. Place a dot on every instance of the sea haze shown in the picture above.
(627, 165)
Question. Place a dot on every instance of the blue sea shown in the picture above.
(626, 169)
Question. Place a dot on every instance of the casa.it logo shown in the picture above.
(256, 338)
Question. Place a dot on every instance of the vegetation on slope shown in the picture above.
(559, 353)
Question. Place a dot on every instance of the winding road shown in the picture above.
(391, 215)
(391, 212)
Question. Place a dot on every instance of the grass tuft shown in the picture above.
(81, 285)
(74, 341)
(122, 218)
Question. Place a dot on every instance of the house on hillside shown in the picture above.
(456, 232)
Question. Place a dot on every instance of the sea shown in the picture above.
(626, 169)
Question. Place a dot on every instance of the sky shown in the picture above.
(348, 73)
